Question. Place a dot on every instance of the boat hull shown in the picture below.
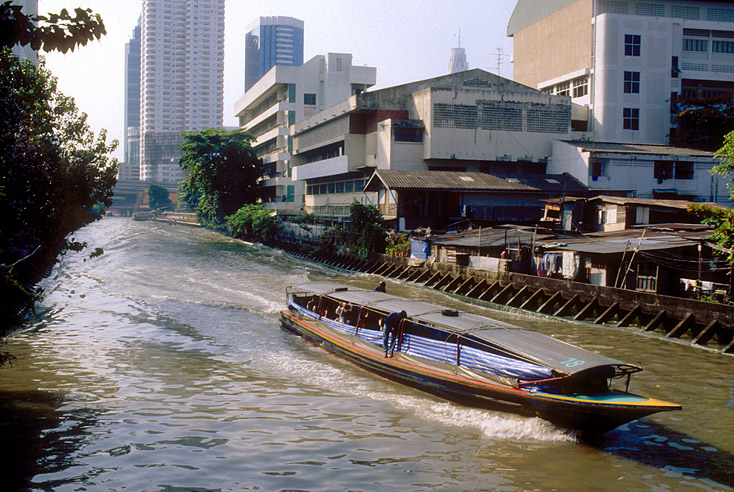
(597, 413)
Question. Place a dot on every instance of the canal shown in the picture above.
(160, 366)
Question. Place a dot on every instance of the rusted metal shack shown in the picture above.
(702, 323)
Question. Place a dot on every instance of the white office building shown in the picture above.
(280, 98)
(625, 63)
(182, 79)
(468, 122)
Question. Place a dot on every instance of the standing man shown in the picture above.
(391, 326)
(381, 287)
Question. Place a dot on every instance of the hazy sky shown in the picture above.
(405, 39)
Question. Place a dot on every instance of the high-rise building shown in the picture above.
(457, 62)
(272, 41)
(284, 96)
(29, 8)
(132, 99)
(181, 79)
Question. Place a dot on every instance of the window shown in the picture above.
(695, 45)
(291, 93)
(597, 168)
(631, 82)
(683, 170)
(632, 44)
(580, 86)
(631, 119)
(408, 134)
(309, 99)
(563, 89)
(663, 170)
(722, 46)
(338, 64)
(674, 70)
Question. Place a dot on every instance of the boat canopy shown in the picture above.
(499, 336)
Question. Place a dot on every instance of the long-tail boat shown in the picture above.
(469, 358)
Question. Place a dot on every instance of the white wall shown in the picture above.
(566, 158)
(653, 65)
(478, 143)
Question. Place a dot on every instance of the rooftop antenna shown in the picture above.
(500, 56)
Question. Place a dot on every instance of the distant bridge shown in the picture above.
(126, 191)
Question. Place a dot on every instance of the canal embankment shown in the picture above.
(702, 324)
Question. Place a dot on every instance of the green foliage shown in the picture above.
(725, 156)
(398, 245)
(332, 237)
(221, 172)
(703, 124)
(158, 196)
(366, 220)
(53, 171)
(365, 233)
(54, 32)
(253, 222)
(307, 219)
(723, 222)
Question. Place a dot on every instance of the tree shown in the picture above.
(725, 157)
(158, 196)
(366, 221)
(222, 173)
(722, 219)
(703, 123)
(55, 32)
(253, 222)
(52, 172)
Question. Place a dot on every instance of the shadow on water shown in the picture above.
(674, 452)
(36, 436)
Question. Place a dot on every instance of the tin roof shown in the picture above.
(652, 202)
(628, 240)
(637, 148)
(466, 181)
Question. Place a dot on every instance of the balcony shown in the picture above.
(327, 167)
(269, 135)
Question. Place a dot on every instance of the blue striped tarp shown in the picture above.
(439, 351)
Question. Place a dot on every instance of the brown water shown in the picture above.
(160, 366)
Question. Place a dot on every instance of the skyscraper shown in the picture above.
(131, 136)
(457, 62)
(181, 78)
(30, 8)
(272, 41)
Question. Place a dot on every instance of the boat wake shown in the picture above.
(340, 377)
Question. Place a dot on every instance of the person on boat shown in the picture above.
(350, 315)
(340, 312)
(391, 326)
(381, 287)
(312, 305)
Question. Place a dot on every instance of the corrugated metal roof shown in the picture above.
(465, 181)
(635, 148)
(618, 243)
(652, 202)
(547, 182)
(489, 237)
(444, 180)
